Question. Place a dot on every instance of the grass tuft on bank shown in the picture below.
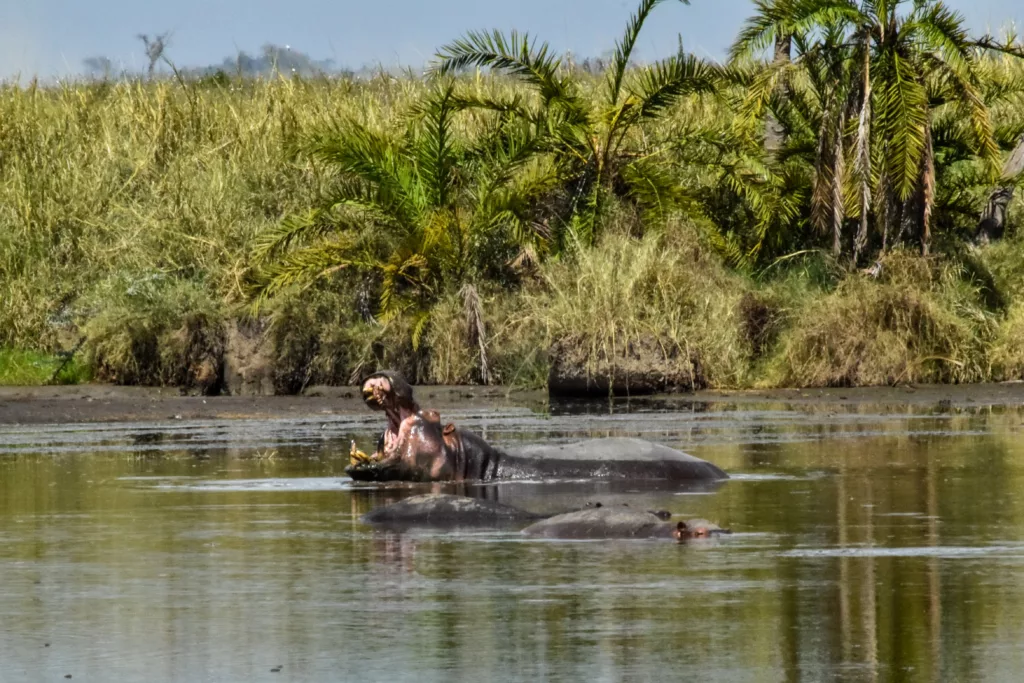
(921, 320)
(658, 312)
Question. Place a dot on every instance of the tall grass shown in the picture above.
(132, 181)
(631, 307)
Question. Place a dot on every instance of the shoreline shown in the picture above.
(112, 403)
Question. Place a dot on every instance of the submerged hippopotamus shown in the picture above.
(621, 522)
(415, 446)
(590, 523)
(440, 509)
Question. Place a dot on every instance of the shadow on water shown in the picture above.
(872, 544)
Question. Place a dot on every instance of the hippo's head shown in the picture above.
(684, 531)
(389, 391)
(414, 445)
(386, 389)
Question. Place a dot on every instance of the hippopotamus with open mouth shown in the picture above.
(415, 446)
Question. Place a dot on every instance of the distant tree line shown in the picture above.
(271, 59)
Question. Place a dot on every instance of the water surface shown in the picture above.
(872, 544)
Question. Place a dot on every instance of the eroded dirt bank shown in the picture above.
(107, 403)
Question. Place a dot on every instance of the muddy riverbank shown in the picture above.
(108, 403)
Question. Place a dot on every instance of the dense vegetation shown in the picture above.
(806, 214)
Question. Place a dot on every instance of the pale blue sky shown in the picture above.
(52, 37)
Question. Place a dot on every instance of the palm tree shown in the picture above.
(426, 212)
(810, 99)
(886, 67)
(593, 146)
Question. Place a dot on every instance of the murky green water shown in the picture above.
(871, 545)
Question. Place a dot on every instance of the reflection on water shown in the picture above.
(871, 545)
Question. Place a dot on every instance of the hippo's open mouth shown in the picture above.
(389, 392)
(377, 395)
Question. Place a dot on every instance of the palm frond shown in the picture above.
(401, 268)
(943, 30)
(301, 267)
(903, 112)
(514, 206)
(758, 187)
(624, 49)
(298, 229)
(660, 85)
(728, 247)
(515, 106)
(759, 32)
(515, 54)
(419, 326)
(357, 152)
(656, 190)
(762, 87)
(435, 148)
(968, 98)
(305, 229)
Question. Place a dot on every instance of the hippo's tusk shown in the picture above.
(356, 456)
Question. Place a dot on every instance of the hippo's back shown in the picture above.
(444, 509)
(601, 523)
(610, 458)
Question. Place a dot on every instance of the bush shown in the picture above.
(156, 331)
(919, 322)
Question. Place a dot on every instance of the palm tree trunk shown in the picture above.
(927, 189)
(864, 160)
(838, 170)
(774, 132)
(886, 208)
(907, 218)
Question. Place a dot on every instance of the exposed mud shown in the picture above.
(109, 403)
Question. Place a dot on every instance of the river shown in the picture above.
(871, 543)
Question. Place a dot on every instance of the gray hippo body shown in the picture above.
(609, 458)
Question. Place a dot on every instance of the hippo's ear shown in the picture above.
(681, 526)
